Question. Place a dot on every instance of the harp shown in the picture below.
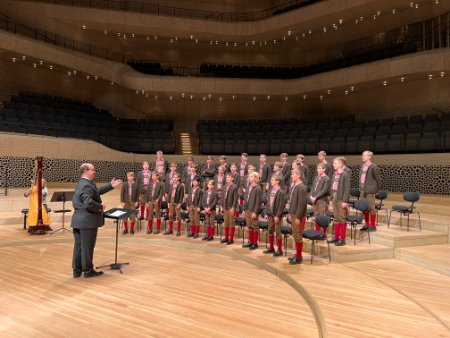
(38, 219)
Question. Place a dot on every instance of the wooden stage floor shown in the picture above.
(180, 287)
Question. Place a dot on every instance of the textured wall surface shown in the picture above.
(427, 173)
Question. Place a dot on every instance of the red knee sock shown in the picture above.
(171, 226)
(142, 210)
(132, 225)
(197, 229)
(179, 226)
(366, 218)
(255, 236)
(250, 236)
(271, 240)
(336, 230)
(299, 248)
(317, 227)
(125, 225)
(227, 232)
(158, 224)
(232, 230)
(146, 210)
(280, 244)
(343, 231)
(191, 229)
(373, 218)
(150, 225)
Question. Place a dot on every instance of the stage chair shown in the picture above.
(185, 216)
(219, 223)
(286, 231)
(263, 225)
(164, 213)
(404, 210)
(361, 206)
(25, 216)
(314, 235)
(381, 196)
(240, 221)
(354, 192)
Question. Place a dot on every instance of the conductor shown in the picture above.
(87, 218)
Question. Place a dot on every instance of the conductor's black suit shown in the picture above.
(87, 218)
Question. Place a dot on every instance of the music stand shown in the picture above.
(62, 196)
(117, 214)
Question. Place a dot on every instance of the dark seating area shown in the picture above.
(40, 114)
(292, 72)
(414, 134)
(149, 67)
(293, 5)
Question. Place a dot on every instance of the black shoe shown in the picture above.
(205, 238)
(195, 236)
(178, 234)
(296, 261)
(168, 233)
(209, 239)
(277, 253)
(332, 240)
(77, 273)
(340, 242)
(131, 232)
(268, 251)
(253, 247)
(190, 235)
(292, 258)
(92, 273)
(372, 229)
(224, 240)
(125, 232)
(149, 232)
(230, 242)
(364, 228)
(247, 245)
(156, 232)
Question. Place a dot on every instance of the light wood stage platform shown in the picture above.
(177, 287)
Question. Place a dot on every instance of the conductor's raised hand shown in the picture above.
(116, 182)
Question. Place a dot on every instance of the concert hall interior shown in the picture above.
(356, 93)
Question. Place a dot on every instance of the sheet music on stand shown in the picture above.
(117, 214)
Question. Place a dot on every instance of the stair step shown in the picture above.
(350, 252)
(398, 237)
(432, 257)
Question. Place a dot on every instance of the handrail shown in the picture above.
(348, 54)
(59, 40)
(160, 10)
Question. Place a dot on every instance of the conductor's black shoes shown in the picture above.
(76, 273)
(92, 273)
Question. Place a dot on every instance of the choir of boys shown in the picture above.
(286, 189)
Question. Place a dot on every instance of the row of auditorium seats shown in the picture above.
(32, 113)
(287, 72)
(147, 67)
(293, 5)
(416, 134)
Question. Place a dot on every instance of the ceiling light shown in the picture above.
(402, 79)
(286, 98)
(24, 57)
(289, 33)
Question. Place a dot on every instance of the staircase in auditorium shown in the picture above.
(187, 144)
